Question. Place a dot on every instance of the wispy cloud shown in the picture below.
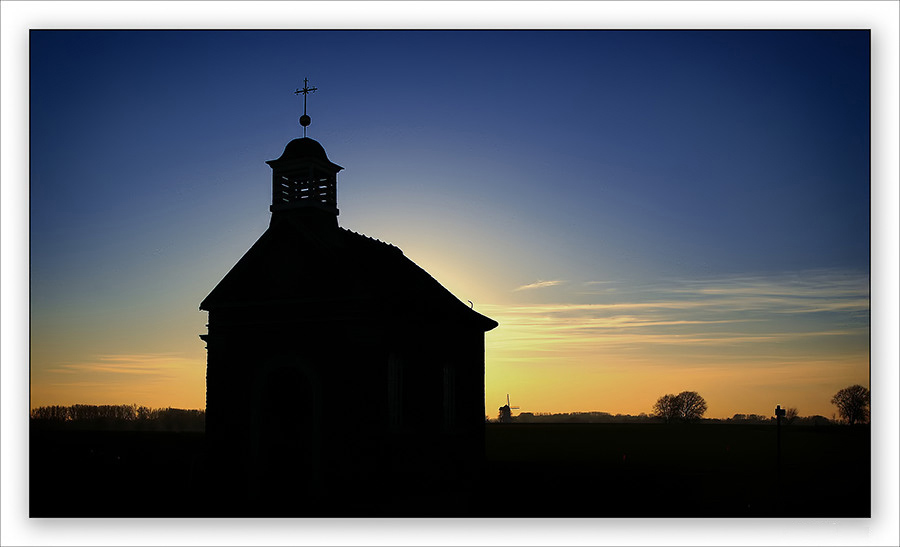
(539, 285)
(815, 291)
(790, 316)
(809, 284)
(156, 364)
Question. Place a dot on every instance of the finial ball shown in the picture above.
(305, 120)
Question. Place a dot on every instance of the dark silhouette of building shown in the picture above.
(339, 373)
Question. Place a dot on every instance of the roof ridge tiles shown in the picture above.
(370, 239)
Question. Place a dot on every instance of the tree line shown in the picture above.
(852, 403)
(689, 406)
(118, 417)
(645, 418)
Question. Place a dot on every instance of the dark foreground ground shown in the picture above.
(530, 470)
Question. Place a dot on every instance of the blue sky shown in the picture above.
(520, 168)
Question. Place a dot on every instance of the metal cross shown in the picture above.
(305, 91)
(304, 119)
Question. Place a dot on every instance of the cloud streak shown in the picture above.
(539, 285)
(150, 364)
(786, 317)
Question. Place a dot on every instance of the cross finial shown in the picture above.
(304, 119)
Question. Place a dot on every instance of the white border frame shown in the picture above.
(18, 17)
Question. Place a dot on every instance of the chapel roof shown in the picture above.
(298, 261)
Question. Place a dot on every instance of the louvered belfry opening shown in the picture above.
(311, 186)
(304, 177)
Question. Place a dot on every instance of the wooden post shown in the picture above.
(779, 412)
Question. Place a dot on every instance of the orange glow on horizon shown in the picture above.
(744, 348)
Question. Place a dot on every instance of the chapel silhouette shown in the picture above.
(337, 369)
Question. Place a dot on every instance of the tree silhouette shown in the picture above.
(691, 406)
(791, 414)
(666, 407)
(687, 406)
(852, 403)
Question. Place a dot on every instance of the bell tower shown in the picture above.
(303, 177)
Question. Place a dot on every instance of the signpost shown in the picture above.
(779, 413)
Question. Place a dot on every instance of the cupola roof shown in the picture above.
(305, 148)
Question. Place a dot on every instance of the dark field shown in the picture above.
(533, 470)
(700, 470)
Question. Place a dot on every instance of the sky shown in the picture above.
(643, 212)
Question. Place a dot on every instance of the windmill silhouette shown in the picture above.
(506, 412)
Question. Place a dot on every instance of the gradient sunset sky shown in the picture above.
(643, 212)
